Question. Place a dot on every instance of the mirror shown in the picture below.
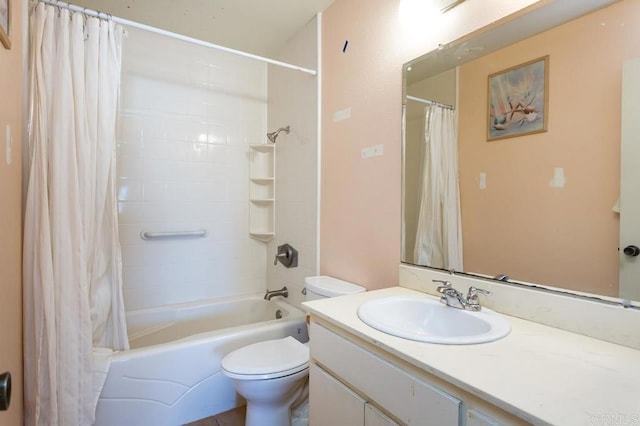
(548, 207)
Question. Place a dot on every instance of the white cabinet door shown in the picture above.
(477, 418)
(375, 417)
(331, 403)
(406, 397)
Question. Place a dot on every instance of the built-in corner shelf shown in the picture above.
(262, 191)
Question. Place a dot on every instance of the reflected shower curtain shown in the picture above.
(439, 231)
(72, 262)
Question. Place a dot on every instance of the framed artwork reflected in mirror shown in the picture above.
(518, 100)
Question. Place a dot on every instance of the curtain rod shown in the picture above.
(177, 36)
(428, 102)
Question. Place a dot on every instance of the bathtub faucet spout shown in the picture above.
(282, 292)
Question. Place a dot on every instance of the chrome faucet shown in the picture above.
(282, 292)
(450, 296)
(455, 299)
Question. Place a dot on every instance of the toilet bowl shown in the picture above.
(270, 375)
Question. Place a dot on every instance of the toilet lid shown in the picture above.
(331, 287)
(267, 358)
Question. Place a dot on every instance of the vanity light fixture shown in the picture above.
(419, 14)
(424, 13)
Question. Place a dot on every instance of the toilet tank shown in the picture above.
(322, 287)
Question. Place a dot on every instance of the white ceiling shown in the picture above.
(261, 27)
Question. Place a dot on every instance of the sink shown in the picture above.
(425, 319)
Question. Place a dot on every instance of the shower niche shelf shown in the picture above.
(262, 191)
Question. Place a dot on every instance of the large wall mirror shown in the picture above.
(548, 177)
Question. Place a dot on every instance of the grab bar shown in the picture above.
(200, 233)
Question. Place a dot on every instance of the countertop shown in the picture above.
(538, 373)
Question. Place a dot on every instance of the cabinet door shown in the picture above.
(331, 403)
(406, 397)
(375, 417)
(477, 418)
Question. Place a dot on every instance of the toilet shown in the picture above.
(270, 375)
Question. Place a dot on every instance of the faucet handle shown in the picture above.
(286, 255)
(473, 304)
(445, 285)
(281, 256)
(474, 292)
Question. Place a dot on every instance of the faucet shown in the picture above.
(450, 296)
(455, 299)
(282, 292)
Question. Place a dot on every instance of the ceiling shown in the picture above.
(260, 27)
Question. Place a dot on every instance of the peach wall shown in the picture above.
(11, 216)
(360, 208)
(520, 225)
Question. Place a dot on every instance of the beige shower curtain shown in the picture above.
(73, 301)
(439, 231)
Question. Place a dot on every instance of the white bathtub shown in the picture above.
(172, 374)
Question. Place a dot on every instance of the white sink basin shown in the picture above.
(425, 319)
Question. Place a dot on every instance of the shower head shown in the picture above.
(273, 135)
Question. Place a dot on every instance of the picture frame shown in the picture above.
(5, 20)
(518, 100)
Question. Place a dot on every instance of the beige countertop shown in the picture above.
(538, 373)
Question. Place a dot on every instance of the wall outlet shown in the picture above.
(373, 151)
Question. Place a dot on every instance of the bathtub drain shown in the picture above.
(278, 314)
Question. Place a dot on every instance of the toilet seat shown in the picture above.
(267, 360)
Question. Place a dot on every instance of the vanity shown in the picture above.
(537, 374)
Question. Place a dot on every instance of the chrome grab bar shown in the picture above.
(200, 233)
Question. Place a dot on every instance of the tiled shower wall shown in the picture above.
(293, 101)
(187, 116)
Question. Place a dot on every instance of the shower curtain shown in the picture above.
(73, 304)
(439, 231)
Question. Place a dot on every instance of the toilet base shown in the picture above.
(269, 401)
(267, 416)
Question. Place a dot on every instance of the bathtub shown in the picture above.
(172, 373)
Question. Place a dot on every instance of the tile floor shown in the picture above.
(233, 417)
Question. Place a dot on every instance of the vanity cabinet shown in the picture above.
(355, 383)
